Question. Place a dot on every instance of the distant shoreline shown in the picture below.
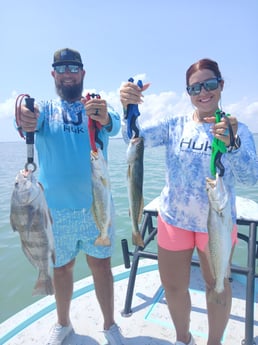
(110, 138)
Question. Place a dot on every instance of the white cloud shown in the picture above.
(163, 104)
(154, 106)
(8, 107)
(245, 112)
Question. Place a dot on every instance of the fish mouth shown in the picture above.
(26, 172)
(211, 182)
(94, 155)
(136, 140)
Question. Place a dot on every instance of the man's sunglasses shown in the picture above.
(209, 85)
(60, 69)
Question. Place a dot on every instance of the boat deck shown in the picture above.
(149, 323)
(140, 304)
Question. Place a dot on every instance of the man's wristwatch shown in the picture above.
(237, 144)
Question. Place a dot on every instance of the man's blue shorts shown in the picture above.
(74, 231)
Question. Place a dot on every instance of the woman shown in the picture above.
(183, 209)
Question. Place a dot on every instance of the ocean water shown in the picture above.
(18, 276)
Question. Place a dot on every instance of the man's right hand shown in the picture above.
(28, 119)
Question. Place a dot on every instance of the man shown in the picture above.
(62, 142)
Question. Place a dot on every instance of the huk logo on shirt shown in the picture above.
(72, 125)
(191, 144)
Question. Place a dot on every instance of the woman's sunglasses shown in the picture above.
(209, 85)
(60, 69)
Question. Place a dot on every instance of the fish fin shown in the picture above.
(104, 181)
(100, 241)
(44, 286)
(137, 239)
(50, 216)
(140, 211)
(14, 229)
(41, 186)
(129, 171)
(53, 256)
(96, 218)
(12, 222)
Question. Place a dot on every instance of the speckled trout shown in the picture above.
(219, 227)
(135, 153)
(30, 216)
(102, 202)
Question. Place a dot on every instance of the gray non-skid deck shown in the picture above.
(149, 324)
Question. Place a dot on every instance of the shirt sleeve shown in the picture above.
(115, 123)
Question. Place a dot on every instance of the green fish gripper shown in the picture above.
(217, 146)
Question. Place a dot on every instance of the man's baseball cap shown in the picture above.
(67, 56)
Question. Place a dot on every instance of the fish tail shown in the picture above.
(102, 241)
(140, 210)
(216, 297)
(137, 239)
(43, 287)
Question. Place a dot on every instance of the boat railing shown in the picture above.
(247, 215)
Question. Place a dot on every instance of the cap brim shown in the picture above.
(67, 62)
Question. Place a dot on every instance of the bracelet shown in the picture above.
(237, 144)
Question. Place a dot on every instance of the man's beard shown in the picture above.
(69, 93)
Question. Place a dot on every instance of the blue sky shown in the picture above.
(155, 41)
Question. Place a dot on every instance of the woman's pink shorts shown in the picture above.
(172, 238)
